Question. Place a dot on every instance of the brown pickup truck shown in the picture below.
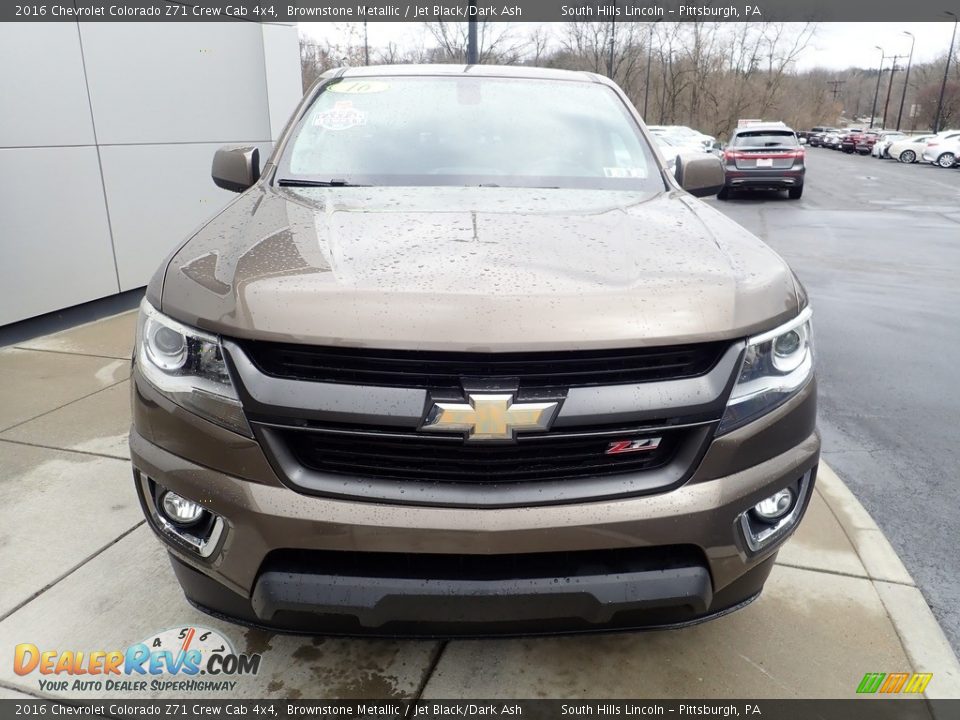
(466, 356)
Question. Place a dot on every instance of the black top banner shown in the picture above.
(290, 11)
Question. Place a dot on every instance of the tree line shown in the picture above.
(704, 75)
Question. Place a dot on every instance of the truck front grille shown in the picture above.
(444, 370)
(419, 458)
(348, 422)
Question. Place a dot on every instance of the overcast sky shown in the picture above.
(835, 46)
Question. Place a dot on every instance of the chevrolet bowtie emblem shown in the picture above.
(490, 416)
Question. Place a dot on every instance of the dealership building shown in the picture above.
(107, 131)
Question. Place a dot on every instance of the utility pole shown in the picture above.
(366, 46)
(876, 93)
(946, 70)
(906, 80)
(893, 71)
(473, 57)
(835, 85)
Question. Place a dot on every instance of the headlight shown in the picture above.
(186, 365)
(776, 365)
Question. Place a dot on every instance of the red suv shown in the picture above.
(848, 139)
(864, 142)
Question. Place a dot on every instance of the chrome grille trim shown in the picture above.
(268, 398)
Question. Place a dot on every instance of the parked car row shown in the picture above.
(942, 149)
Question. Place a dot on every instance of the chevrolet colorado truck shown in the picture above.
(465, 356)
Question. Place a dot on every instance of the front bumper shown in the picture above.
(293, 562)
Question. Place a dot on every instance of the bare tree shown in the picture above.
(497, 42)
(704, 74)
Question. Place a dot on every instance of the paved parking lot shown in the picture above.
(877, 244)
(82, 571)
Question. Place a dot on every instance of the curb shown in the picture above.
(920, 634)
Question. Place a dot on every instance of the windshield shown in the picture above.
(766, 138)
(470, 131)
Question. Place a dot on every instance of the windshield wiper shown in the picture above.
(333, 182)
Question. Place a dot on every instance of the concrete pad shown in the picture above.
(56, 509)
(110, 337)
(810, 635)
(926, 645)
(37, 382)
(877, 555)
(97, 424)
(820, 543)
(129, 593)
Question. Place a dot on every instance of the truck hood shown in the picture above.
(483, 269)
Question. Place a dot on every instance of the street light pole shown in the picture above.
(906, 80)
(646, 86)
(366, 46)
(946, 70)
(876, 93)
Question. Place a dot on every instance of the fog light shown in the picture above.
(775, 506)
(774, 518)
(179, 510)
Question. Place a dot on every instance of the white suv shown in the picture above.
(943, 149)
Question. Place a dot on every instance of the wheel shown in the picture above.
(947, 160)
(863, 152)
(724, 193)
(795, 193)
(908, 156)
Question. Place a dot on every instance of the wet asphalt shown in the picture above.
(877, 245)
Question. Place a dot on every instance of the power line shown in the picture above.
(837, 84)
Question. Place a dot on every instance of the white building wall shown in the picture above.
(107, 131)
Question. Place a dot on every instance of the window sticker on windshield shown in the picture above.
(341, 117)
(625, 172)
(359, 87)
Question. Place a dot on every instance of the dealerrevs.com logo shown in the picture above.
(184, 659)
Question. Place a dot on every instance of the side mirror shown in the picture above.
(236, 168)
(700, 175)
